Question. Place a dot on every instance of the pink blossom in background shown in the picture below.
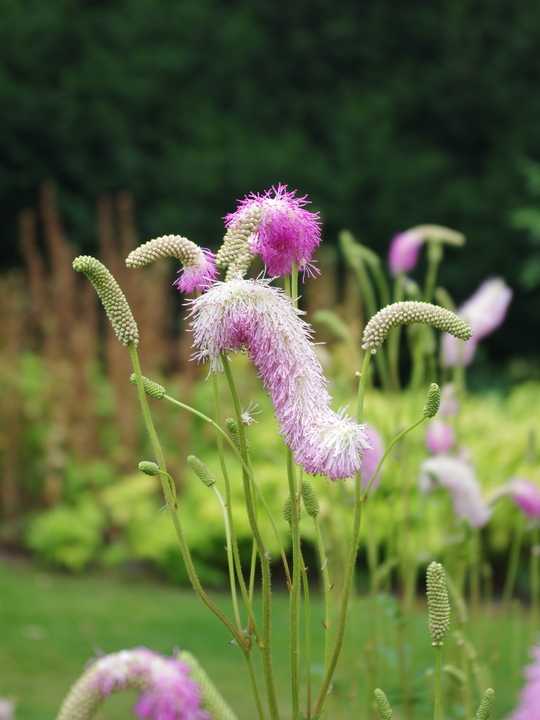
(484, 312)
(286, 232)
(404, 251)
(199, 274)
(449, 403)
(7, 709)
(460, 480)
(253, 315)
(372, 457)
(529, 699)
(439, 437)
(526, 496)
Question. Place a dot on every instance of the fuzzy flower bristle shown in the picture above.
(248, 314)
(166, 690)
(199, 270)
(406, 313)
(112, 298)
(275, 226)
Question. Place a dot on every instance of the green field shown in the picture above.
(51, 624)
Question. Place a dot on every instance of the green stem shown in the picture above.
(326, 593)
(437, 703)
(230, 558)
(511, 572)
(307, 606)
(294, 609)
(266, 649)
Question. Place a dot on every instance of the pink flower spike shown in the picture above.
(526, 496)
(459, 479)
(404, 251)
(283, 231)
(252, 315)
(371, 458)
(439, 437)
(198, 275)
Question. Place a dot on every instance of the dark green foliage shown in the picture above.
(388, 114)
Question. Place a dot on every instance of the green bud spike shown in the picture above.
(166, 246)
(433, 401)
(202, 470)
(438, 603)
(112, 298)
(212, 701)
(486, 706)
(310, 499)
(456, 674)
(287, 510)
(383, 706)
(405, 313)
(151, 388)
(232, 427)
(148, 468)
(236, 253)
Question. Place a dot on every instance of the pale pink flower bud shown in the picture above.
(484, 311)
(459, 479)
(404, 251)
(252, 315)
(275, 226)
(526, 496)
(439, 437)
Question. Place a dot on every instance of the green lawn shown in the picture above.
(51, 624)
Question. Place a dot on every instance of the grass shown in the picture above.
(51, 624)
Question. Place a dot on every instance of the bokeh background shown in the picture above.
(386, 114)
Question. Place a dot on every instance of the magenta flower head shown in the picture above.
(529, 699)
(252, 315)
(404, 251)
(274, 225)
(199, 270)
(484, 311)
(166, 690)
(526, 496)
(372, 457)
(459, 479)
(439, 437)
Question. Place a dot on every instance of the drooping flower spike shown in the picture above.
(199, 270)
(484, 311)
(166, 689)
(275, 226)
(253, 315)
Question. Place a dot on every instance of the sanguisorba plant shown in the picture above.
(260, 318)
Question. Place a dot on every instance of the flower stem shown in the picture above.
(437, 703)
(294, 609)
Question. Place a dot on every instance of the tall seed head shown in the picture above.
(433, 401)
(202, 470)
(112, 298)
(438, 603)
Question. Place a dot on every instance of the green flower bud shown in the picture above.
(383, 706)
(232, 427)
(166, 246)
(486, 706)
(287, 510)
(433, 401)
(151, 388)
(112, 298)
(310, 499)
(211, 699)
(405, 313)
(438, 603)
(148, 468)
(202, 470)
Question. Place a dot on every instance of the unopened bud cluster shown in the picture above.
(406, 313)
(232, 427)
(383, 706)
(438, 603)
(310, 499)
(486, 706)
(148, 467)
(287, 510)
(166, 246)
(202, 470)
(151, 388)
(433, 401)
(236, 253)
(112, 298)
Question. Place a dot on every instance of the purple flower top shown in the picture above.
(529, 699)
(484, 311)
(439, 437)
(276, 226)
(166, 690)
(526, 496)
(404, 251)
(459, 479)
(253, 315)
(198, 275)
